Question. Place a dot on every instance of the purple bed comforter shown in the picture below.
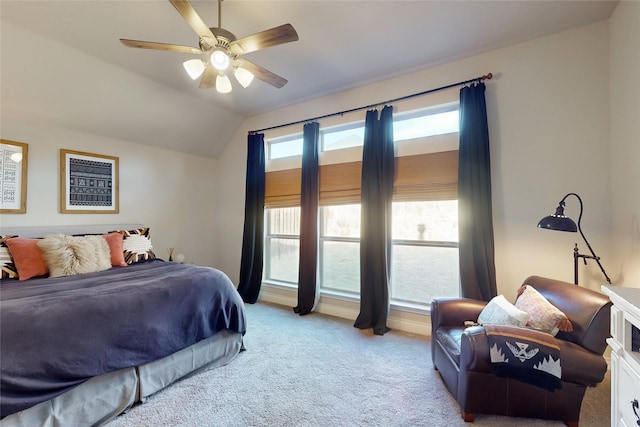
(56, 333)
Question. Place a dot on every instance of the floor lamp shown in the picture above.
(560, 222)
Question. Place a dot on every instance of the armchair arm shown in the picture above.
(474, 350)
(454, 311)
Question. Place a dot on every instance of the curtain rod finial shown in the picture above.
(487, 76)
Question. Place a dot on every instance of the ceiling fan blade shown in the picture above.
(273, 37)
(160, 46)
(208, 78)
(193, 19)
(262, 73)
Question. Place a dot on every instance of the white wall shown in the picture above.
(548, 110)
(625, 141)
(168, 191)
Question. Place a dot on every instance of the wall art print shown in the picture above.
(13, 176)
(89, 183)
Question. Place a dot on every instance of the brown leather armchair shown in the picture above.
(461, 355)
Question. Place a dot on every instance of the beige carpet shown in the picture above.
(317, 370)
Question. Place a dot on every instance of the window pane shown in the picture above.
(279, 150)
(420, 273)
(341, 266)
(282, 259)
(422, 126)
(431, 221)
(341, 221)
(283, 221)
(335, 140)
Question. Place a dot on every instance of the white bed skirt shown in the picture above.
(102, 398)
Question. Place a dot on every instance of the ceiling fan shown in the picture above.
(221, 51)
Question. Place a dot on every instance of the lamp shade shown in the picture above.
(223, 84)
(558, 223)
(194, 67)
(244, 76)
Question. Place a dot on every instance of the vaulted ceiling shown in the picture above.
(62, 62)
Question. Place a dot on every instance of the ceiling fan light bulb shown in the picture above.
(194, 67)
(220, 60)
(244, 76)
(223, 84)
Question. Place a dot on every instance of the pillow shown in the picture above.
(7, 266)
(114, 240)
(137, 245)
(502, 312)
(27, 257)
(69, 255)
(542, 314)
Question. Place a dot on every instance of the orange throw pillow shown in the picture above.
(27, 257)
(115, 246)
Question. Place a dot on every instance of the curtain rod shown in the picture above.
(402, 98)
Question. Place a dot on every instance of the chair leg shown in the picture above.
(469, 418)
(571, 423)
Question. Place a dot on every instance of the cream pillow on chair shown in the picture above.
(499, 311)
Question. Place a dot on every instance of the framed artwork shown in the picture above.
(88, 183)
(13, 176)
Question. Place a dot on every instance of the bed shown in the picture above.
(81, 349)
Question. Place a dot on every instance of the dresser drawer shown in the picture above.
(628, 395)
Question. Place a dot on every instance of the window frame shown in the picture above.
(437, 143)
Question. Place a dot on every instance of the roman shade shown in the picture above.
(432, 176)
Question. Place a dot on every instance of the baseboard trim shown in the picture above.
(406, 321)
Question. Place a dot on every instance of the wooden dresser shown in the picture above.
(625, 356)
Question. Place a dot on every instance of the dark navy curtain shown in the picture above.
(477, 266)
(309, 196)
(375, 228)
(253, 236)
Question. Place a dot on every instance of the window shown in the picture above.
(343, 137)
(424, 256)
(419, 125)
(285, 147)
(425, 210)
(425, 251)
(339, 263)
(416, 124)
(282, 244)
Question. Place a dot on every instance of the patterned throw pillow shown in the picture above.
(499, 311)
(9, 270)
(542, 314)
(136, 245)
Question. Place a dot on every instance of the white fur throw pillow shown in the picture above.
(69, 255)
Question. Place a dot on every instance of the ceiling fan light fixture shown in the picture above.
(223, 84)
(244, 76)
(220, 60)
(194, 67)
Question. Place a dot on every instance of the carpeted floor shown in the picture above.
(317, 370)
